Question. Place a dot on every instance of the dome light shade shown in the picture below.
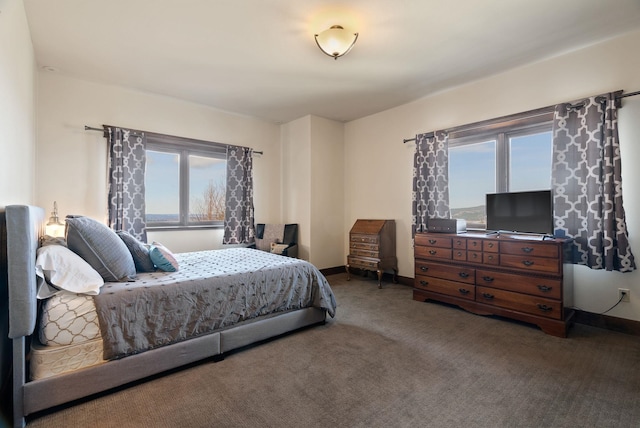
(336, 41)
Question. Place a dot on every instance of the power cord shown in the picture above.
(622, 296)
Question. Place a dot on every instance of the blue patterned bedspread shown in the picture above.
(212, 290)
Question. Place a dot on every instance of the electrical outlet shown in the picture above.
(623, 294)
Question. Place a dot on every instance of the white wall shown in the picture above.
(17, 148)
(17, 106)
(378, 178)
(296, 180)
(327, 193)
(312, 183)
(72, 162)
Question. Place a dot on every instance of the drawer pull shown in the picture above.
(544, 288)
(488, 296)
(425, 283)
(432, 241)
(463, 275)
(544, 308)
(527, 262)
(424, 268)
(475, 256)
(474, 243)
(527, 249)
(487, 278)
(463, 291)
(433, 252)
(490, 245)
(490, 257)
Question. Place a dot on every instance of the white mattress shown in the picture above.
(68, 318)
(47, 361)
(69, 336)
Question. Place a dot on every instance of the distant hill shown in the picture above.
(471, 214)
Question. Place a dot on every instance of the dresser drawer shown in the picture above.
(474, 244)
(433, 253)
(367, 239)
(520, 302)
(490, 246)
(443, 286)
(363, 262)
(474, 256)
(459, 243)
(491, 259)
(454, 273)
(460, 255)
(529, 249)
(432, 241)
(533, 264)
(545, 287)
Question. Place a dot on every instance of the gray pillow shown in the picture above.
(101, 248)
(139, 251)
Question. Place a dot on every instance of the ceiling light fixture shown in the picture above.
(336, 41)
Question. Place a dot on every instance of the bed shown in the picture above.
(216, 302)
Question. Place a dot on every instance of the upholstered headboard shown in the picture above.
(25, 226)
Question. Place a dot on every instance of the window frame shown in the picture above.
(501, 130)
(184, 147)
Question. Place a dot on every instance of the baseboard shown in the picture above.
(620, 325)
(386, 276)
(607, 322)
(333, 270)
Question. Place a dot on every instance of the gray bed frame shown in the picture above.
(25, 225)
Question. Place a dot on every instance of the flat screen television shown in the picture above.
(524, 212)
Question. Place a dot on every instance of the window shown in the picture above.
(510, 155)
(185, 182)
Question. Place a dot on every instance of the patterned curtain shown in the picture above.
(430, 179)
(126, 181)
(239, 225)
(587, 183)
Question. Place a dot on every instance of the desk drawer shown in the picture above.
(363, 263)
(367, 239)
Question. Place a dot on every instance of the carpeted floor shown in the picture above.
(389, 361)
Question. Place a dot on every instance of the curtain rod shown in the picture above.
(89, 128)
(618, 97)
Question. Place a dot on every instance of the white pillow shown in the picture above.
(66, 270)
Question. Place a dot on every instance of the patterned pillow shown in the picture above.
(139, 251)
(163, 258)
(101, 248)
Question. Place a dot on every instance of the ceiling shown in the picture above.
(259, 57)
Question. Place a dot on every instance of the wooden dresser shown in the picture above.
(372, 247)
(523, 279)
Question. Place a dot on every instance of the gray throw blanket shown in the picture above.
(211, 291)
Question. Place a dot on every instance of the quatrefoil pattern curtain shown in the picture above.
(239, 219)
(127, 160)
(587, 183)
(430, 196)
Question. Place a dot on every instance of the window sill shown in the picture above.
(181, 228)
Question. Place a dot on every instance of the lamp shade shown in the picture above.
(54, 227)
(336, 41)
